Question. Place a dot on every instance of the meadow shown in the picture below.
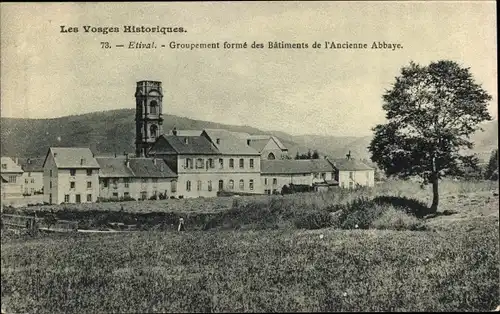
(367, 250)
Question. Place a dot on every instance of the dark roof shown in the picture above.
(231, 143)
(186, 145)
(151, 168)
(31, 164)
(259, 144)
(345, 164)
(116, 167)
(292, 166)
(72, 157)
(4, 178)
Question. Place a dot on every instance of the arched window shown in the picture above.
(231, 184)
(153, 105)
(242, 184)
(153, 129)
(271, 156)
(250, 185)
(221, 185)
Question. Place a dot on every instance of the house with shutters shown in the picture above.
(140, 178)
(352, 173)
(277, 173)
(70, 175)
(11, 174)
(32, 178)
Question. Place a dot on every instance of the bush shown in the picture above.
(394, 219)
(314, 220)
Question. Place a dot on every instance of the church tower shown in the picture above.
(148, 116)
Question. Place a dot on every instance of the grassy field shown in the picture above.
(449, 265)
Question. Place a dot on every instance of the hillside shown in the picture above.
(113, 131)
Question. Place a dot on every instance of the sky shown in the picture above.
(46, 73)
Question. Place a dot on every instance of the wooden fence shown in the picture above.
(23, 222)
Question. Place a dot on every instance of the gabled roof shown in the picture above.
(116, 167)
(293, 166)
(72, 157)
(185, 132)
(230, 142)
(31, 164)
(345, 164)
(267, 138)
(184, 145)
(12, 166)
(151, 168)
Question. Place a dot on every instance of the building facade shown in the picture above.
(11, 173)
(278, 173)
(148, 116)
(32, 178)
(352, 173)
(135, 178)
(71, 175)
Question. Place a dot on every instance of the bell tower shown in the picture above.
(148, 115)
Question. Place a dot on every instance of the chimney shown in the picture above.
(348, 155)
(115, 155)
(127, 162)
(154, 161)
(161, 167)
(29, 160)
(16, 160)
(174, 131)
(82, 161)
(186, 140)
(248, 142)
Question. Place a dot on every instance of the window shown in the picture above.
(4, 166)
(12, 179)
(50, 198)
(198, 185)
(115, 183)
(89, 197)
(210, 163)
(221, 163)
(250, 185)
(66, 198)
(153, 105)
(33, 190)
(316, 175)
(323, 176)
(271, 156)
(72, 172)
(153, 131)
(155, 180)
(78, 198)
(217, 141)
(144, 195)
(189, 163)
(231, 184)
(50, 184)
(351, 175)
(221, 185)
(209, 185)
(199, 163)
(105, 183)
(126, 194)
(265, 181)
(71, 185)
(89, 172)
(32, 180)
(89, 185)
(173, 187)
(51, 173)
(268, 192)
(275, 181)
(188, 185)
(126, 181)
(251, 163)
(351, 184)
(231, 163)
(242, 185)
(26, 181)
(242, 163)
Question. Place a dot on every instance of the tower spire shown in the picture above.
(148, 115)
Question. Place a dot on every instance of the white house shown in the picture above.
(353, 173)
(71, 175)
(11, 174)
(32, 178)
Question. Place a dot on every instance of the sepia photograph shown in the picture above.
(260, 156)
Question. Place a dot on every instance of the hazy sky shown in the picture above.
(46, 73)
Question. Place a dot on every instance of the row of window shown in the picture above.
(230, 185)
(72, 172)
(77, 198)
(201, 163)
(26, 181)
(72, 184)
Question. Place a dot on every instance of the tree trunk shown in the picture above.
(435, 194)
